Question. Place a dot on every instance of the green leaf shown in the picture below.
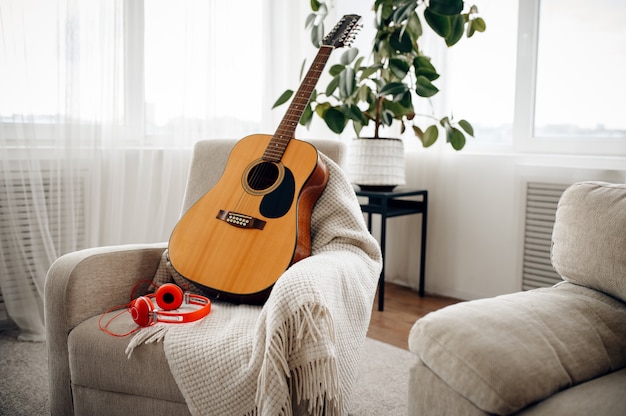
(387, 117)
(308, 23)
(357, 128)
(403, 12)
(446, 7)
(317, 34)
(365, 92)
(425, 88)
(457, 26)
(438, 22)
(396, 107)
(284, 97)
(335, 120)
(302, 68)
(347, 82)
(401, 41)
(430, 136)
(414, 27)
(307, 115)
(321, 109)
(393, 88)
(424, 67)
(332, 86)
(384, 10)
(399, 67)
(357, 64)
(367, 72)
(406, 101)
(465, 125)
(315, 5)
(418, 132)
(336, 69)
(469, 31)
(353, 112)
(348, 56)
(479, 24)
(456, 138)
(476, 25)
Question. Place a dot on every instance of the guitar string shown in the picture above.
(286, 129)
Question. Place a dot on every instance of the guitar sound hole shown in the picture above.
(263, 176)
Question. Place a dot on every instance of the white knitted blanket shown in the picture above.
(299, 353)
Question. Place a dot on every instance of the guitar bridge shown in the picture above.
(240, 220)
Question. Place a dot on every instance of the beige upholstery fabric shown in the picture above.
(589, 239)
(82, 285)
(89, 373)
(510, 351)
(101, 364)
(552, 351)
(603, 396)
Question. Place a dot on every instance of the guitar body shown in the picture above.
(238, 239)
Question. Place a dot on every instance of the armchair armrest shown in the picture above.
(84, 284)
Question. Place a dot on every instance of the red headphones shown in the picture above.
(168, 297)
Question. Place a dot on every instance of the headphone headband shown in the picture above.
(168, 297)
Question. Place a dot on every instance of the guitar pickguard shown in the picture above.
(277, 203)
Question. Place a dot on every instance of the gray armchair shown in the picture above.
(89, 371)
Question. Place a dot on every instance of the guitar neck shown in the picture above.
(287, 126)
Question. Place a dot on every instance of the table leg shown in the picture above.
(381, 280)
(423, 245)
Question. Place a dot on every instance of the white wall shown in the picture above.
(476, 211)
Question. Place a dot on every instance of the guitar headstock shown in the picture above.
(344, 31)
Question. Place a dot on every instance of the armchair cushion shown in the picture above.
(513, 350)
(589, 239)
(101, 363)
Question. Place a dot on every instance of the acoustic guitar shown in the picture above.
(238, 238)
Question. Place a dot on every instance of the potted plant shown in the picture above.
(381, 87)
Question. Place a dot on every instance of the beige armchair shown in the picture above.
(552, 351)
(89, 371)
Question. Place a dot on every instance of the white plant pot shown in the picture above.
(376, 164)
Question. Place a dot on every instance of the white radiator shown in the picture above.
(41, 217)
(541, 203)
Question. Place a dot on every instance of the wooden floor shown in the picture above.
(403, 307)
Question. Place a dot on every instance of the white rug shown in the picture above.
(382, 387)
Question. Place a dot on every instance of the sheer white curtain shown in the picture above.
(100, 104)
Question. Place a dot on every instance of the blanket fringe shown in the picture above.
(315, 382)
(154, 333)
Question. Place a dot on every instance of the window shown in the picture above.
(29, 50)
(218, 46)
(581, 88)
(546, 76)
(147, 67)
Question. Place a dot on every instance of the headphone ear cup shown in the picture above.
(141, 311)
(169, 297)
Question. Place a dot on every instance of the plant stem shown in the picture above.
(377, 121)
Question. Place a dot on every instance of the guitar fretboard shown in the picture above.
(287, 127)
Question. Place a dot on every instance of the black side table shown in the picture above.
(395, 204)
